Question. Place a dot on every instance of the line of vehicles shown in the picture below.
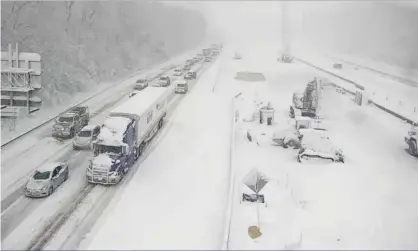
(123, 136)
(308, 134)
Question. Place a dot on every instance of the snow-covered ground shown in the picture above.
(177, 198)
(365, 203)
(390, 93)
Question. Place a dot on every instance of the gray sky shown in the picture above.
(240, 22)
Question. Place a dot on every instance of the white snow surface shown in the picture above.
(365, 203)
(177, 198)
(102, 160)
(113, 129)
(392, 94)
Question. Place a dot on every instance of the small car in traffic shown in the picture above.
(85, 138)
(140, 84)
(46, 179)
(164, 81)
(178, 72)
(181, 86)
(190, 75)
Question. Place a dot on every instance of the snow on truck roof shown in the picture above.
(140, 103)
(113, 130)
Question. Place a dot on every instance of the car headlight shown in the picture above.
(45, 188)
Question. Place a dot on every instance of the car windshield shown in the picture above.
(65, 119)
(41, 175)
(141, 81)
(181, 85)
(84, 134)
(163, 78)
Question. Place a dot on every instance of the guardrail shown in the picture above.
(377, 104)
(229, 208)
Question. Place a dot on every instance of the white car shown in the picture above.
(46, 179)
(85, 137)
(141, 84)
(181, 86)
(178, 72)
(318, 146)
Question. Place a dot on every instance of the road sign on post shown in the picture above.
(256, 181)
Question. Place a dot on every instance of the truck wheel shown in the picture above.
(413, 148)
(50, 191)
(140, 149)
(72, 133)
(160, 123)
(137, 153)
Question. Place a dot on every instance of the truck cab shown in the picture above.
(412, 140)
(112, 151)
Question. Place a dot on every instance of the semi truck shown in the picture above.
(125, 134)
(310, 99)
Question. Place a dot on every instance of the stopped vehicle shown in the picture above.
(125, 134)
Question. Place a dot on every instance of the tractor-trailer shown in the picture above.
(125, 133)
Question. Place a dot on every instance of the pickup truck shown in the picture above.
(70, 122)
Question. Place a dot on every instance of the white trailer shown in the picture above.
(125, 133)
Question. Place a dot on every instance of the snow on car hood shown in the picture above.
(102, 161)
(82, 140)
(36, 184)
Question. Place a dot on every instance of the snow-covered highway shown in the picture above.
(30, 218)
(176, 195)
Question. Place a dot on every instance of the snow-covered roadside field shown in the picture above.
(396, 96)
(364, 203)
(178, 196)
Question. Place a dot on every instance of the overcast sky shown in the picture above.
(240, 21)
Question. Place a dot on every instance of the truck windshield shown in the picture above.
(66, 119)
(108, 149)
